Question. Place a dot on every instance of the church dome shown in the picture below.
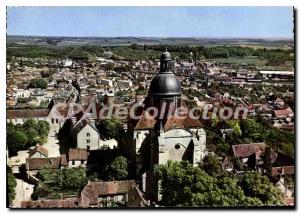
(165, 56)
(165, 83)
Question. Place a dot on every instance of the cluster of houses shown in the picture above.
(84, 82)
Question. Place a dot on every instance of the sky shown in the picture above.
(250, 22)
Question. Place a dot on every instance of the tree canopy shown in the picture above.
(111, 128)
(20, 137)
(117, 170)
(38, 83)
(61, 181)
(185, 185)
(11, 185)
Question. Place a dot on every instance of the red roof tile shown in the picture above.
(40, 163)
(283, 113)
(34, 113)
(284, 170)
(38, 148)
(91, 191)
(245, 150)
(78, 154)
(51, 203)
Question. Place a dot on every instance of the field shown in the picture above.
(251, 60)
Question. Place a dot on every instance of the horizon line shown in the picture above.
(166, 37)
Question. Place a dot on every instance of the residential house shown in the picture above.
(20, 116)
(106, 194)
(286, 113)
(33, 165)
(38, 152)
(87, 135)
(96, 195)
(77, 157)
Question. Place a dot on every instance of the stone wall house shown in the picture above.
(97, 195)
(38, 152)
(106, 194)
(35, 164)
(58, 116)
(87, 135)
(77, 157)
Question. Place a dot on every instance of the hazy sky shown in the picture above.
(151, 21)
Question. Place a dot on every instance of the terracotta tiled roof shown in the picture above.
(51, 203)
(282, 113)
(34, 113)
(284, 170)
(245, 150)
(38, 148)
(187, 122)
(39, 163)
(145, 122)
(91, 191)
(78, 154)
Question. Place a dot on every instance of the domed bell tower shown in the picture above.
(165, 89)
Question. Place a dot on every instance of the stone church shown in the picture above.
(164, 137)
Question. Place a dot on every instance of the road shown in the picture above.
(23, 193)
(52, 144)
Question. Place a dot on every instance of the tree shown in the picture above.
(16, 140)
(53, 182)
(258, 186)
(112, 128)
(11, 185)
(38, 83)
(250, 128)
(32, 136)
(234, 124)
(30, 124)
(43, 128)
(117, 170)
(73, 178)
(185, 185)
(211, 165)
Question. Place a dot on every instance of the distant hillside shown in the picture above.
(119, 41)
